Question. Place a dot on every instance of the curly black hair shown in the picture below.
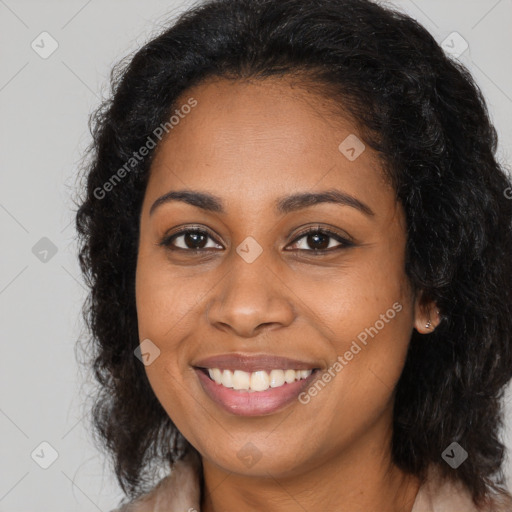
(423, 114)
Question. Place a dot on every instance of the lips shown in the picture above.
(257, 403)
(253, 363)
(250, 402)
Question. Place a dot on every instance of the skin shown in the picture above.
(249, 143)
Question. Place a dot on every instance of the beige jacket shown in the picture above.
(180, 492)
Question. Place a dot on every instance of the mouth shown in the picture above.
(254, 386)
(258, 381)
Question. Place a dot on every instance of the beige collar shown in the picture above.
(180, 492)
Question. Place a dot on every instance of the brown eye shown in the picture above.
(320, 240)
(189, 239)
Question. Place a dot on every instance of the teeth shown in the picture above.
(289, 376)
(276, 378)
(227, 378)
(256, 381)
(260, 381)
(241, 380)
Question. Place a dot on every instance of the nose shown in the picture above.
(250, 298)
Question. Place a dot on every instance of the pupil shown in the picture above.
(313, 240)
(192, 238)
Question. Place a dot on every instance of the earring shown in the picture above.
(428, 324)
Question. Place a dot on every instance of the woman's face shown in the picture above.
(257, 287)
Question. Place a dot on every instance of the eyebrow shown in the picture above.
(287, 204)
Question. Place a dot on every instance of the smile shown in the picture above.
(260, 393)
(256, 381)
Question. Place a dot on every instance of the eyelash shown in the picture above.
(344, 243)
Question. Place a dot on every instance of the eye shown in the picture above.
(320, 240)
(189, 240)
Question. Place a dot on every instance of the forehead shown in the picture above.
(264, 138)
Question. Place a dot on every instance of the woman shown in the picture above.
(298, 242)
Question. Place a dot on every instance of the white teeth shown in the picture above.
(241, 380)
(227, 378)
(276, 378)
(217, 374)
(289, 376)
(256, 381)
(260, 381)
(304, 374)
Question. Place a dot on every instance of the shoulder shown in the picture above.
(438, 495)
(180, 490)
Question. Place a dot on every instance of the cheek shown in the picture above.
(164, 299)
(169, 306)
(162, 318)
(164, 312)
(356, 298)
(370, 336)
(368, 319)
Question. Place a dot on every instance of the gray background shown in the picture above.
(44, 105)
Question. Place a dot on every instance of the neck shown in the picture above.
(361, 478)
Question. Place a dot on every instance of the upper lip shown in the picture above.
(252, 363)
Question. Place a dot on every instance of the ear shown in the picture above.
(426, 314)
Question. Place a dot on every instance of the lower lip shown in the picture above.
(256, 403)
